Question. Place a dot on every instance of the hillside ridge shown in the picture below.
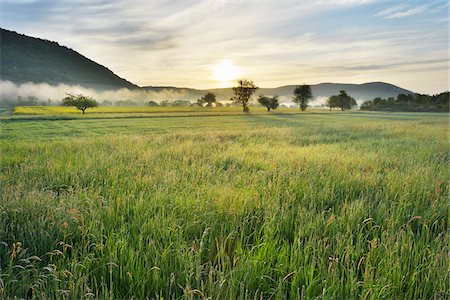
(29, 59)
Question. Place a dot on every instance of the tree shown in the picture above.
(342, 101)
(302, 95)
(209, 99)
(81, 102)
(243, 93)
(405, 98)
(269, 102)
(409, 102)
(333, 102)
(152, 103)
(366, 105)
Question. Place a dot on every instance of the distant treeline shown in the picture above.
(403, 102)
(410, 102)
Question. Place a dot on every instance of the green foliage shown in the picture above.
(269, 102)
(243, 93)
(302, 96)
(409, 102)
(209, 99)
(312, 206)
(342, 101)
(79, 101)
(153, 104)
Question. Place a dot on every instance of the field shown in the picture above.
(314, 205)
(61, 110)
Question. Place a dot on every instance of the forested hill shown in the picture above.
(28, 59)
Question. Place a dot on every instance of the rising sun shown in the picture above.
(225, 72)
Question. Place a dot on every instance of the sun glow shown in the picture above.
(225, 72)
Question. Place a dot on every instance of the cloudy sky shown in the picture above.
(209, 43)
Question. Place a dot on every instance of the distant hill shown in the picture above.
(365, 91)
(28, 59)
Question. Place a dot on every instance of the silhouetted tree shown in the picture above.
(342, 101)
(209, 99)
(269, 102)
(79, 101)
(302, 95)
(243, 93)
(405, 98)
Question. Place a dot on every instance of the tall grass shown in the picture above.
(246, 207)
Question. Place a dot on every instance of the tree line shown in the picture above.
(413, 103)
(302, 95)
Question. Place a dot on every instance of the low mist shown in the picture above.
(11, 93)
(29, 93)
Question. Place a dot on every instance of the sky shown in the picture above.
(210, 43)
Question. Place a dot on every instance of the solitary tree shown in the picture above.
(269, 102)
(209, 99)
(302, 95)
(243, 93)
(342, 101)
(79, 101)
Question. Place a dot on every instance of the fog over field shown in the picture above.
(44, 91)
(10, 92)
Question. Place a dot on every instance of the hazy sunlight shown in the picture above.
(225, 72)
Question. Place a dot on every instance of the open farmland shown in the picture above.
(181, 110)
(304, 206)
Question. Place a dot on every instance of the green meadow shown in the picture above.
(314, 205)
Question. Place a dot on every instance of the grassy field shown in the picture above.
(260, 206)
(62, 110)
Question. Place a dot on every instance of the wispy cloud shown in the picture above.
(162, 42)
(401, 11)
(416, 64)
(348, 2)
